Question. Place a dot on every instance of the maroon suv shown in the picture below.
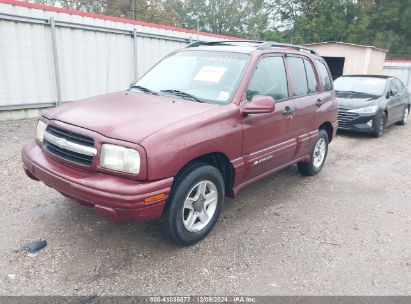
(203, 123)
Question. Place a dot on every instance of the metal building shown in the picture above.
(50, 55)
(346, 58)
(400, 69)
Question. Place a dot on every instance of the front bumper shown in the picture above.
(355, 121)
(113, 197)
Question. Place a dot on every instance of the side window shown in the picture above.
(325, 76)
(269, 79)
(393, 87)
(400, 86)
(312, 80)
(298, 77)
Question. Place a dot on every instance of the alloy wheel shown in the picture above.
(319, 152)
(200, 206)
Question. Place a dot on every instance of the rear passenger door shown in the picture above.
(326, 97)
(304, 100)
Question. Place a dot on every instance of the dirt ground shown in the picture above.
(346, 231)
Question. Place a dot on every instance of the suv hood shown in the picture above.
(352, 100)
(128, 116)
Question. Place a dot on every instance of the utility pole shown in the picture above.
(133, 8)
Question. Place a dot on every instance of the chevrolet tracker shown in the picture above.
(201, 124)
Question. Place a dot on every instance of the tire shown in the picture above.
(187, 226)
(379, 125)
(405, 114)
(316, 160)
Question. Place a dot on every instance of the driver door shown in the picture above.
(267, 140)
(394, 106)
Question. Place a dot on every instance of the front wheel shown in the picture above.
(379, 124)
(317, 157)
(195, 204)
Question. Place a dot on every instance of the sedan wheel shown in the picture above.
(405, 115)
(379, 125)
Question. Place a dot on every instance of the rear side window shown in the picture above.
(324, 75)
(298, 77)
(269, 79)
(400, 86)
(393, 87)
(312, 80)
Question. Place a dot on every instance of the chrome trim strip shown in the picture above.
(68, 145)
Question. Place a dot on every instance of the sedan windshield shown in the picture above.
(366, 85)
(196, 75)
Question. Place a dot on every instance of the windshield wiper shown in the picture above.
(183, 95)
(144, 89)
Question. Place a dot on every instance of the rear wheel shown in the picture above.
(405, 114)
(317, 157)
(379, 124)
(195, 204)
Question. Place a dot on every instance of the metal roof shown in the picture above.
(346, 43)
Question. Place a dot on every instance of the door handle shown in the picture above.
(288, 111)
(319, 102)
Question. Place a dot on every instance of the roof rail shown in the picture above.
(271, 44)
(222, 42)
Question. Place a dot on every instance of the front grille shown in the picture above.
(65, 153)
(345, 117)
(71, 136)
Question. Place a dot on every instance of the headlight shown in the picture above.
(367, 110)
(41, 128)
(119, 158)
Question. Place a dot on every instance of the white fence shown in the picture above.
(400, 69)
(51, 55)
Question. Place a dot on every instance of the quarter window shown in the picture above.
(312, 80)
(325, 75)
(393, 87)
(298, 77)
(400, 86)
(269, 79)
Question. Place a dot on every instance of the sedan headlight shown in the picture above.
(119, 158)
(40, 129)
(367, 110)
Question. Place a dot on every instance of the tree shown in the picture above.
(241, 18)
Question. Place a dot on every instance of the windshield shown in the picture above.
(366, 85)
(197, 75)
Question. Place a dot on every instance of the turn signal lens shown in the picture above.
(41, 128)
(155, 198)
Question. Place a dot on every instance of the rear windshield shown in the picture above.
(366, 85)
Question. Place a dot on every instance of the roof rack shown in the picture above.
(222, 42)
(271, 44)
(261, 45)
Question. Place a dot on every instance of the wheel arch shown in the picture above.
(216, 159)
(328, 127)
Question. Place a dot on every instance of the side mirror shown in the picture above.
(389, 94)
(258, 105)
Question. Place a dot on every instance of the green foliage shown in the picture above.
(384, 24)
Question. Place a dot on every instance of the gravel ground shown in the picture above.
(346, 231)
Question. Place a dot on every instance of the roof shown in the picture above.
(346, 43)
(111, 18)
(369, 76)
